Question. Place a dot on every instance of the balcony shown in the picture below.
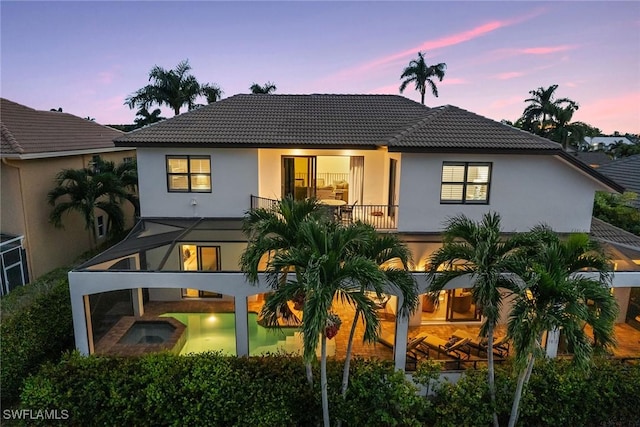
(382, 217)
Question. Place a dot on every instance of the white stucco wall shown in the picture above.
(525, 190)
(234, 177)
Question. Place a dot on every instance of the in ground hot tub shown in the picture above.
(135, 336)
(148, 332)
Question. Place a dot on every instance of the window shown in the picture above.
(101, 226)
(189, 174)
(465, 182)
(200, 258)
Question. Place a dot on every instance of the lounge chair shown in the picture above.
(500, 345)
(455, 349)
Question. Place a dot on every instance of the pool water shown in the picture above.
(217, 332)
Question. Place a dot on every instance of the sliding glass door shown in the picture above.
(299, 176)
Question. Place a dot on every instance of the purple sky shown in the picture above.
(87, 57)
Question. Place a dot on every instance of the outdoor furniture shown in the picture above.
(346, 212)
(454, 348)
(461, 303)
(500, 345)
(428, 304)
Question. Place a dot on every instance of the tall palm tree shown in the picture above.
(84, 191)
(146, 118)
(556, 297)
(330, 269)
(274, 231)
(266, 89)
(542, 106)
(384, 249)
(421, 74)
(477, 250)
(173, 88)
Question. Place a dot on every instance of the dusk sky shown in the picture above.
(87, 57)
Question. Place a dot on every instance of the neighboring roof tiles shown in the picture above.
(606, 232)
(626, 172)
(594, 159)
(27, 131)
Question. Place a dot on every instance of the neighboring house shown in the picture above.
(626, 172)
(35, 146)
(391, 162)
(595, 159)
(603, 142)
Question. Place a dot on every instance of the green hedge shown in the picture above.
(36, 327)
(214, 390)
(557, 395)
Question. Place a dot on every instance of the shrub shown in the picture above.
(36, 327)
(216, 390)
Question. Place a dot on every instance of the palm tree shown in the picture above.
(420, 73)
(274, 231)
(477, 250)
(329, 269)
(212, 92)
(562, 129)
(266, 89)
(173, 88)
(127, 179)
(541, 108)
(384, 249)
(557, 298)
(84, 191)
(147, 118)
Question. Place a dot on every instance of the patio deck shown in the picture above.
(628, 338)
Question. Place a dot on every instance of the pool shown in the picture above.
(142, 332)
(217, 332)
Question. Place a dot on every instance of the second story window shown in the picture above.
(189, 174)
(465, 182)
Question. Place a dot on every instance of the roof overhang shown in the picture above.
(591, 172)
(52, 154)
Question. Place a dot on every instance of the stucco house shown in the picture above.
(34, 146)
(382, 159)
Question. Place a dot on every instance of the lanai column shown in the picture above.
(553, 339)
(402, 332)
(242, 326)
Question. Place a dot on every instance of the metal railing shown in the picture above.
(382, 217)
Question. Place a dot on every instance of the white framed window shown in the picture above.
(101, 226)
(465, 183)
(189, 174)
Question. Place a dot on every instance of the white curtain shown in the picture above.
(356, 178)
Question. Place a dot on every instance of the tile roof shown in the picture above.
(610, 233)
(450, 127)
(25, 131)
(626, 172)
(334, 120)
(592, 158)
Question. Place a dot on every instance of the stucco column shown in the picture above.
(553, 338)
(138, 303)
(242, 327)
(402, 332)
(80, 310)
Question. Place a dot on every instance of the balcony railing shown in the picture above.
(382, 217)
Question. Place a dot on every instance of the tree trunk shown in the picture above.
(422, 96)
(323, 382)
(347, 360)
(491, 372)
(522, 379)
(309, 371)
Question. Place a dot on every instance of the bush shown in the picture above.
(36, 327)
(216, 390)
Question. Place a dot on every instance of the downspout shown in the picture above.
(24, 216)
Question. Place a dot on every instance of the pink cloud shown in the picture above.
(385, 90)
(509, 75)
(513, 100)
(545, 50)
(611, 114)
(446, 41)
(105, 77)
